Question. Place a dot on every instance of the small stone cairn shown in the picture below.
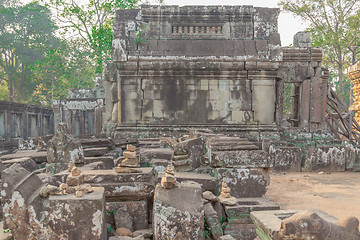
(74, 184)
(225, 197)
(130, 161)
(169, 181)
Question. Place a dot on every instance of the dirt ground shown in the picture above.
(336, 193)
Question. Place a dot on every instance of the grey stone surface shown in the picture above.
(244, 182)
(207, 182)
(286, 159)
(244, 158)
(178, 212)
(148, 154)
(326, 158)
(26, 162)
(63, 147)
(212, 222)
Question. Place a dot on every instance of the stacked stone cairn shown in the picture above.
(225, 197)
(169, 181)
(75, 183)
(129, 161)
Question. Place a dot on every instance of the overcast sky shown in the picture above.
(288, 25)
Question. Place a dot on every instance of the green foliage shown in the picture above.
(60, 70)
(26, 33)
(90, 21)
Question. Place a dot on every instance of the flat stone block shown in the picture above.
(78, 218)
(146, 155)
(244, 158)
(132, 191)
(38, 157)
(327, 158)
(110, 176)
(268, 223)
(207, 182)
(178, 212)
(285, 159)
(26, 162)
(107, 161)
(244, 182)
(246, 206)
(93, 152)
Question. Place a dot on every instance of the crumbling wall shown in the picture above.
(19, 120)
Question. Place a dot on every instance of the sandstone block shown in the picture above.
(178, 212)
(146, 155)
(207, 182)
(244, 182)
(108, 161)
(285, 159)
(26, 162)
(244, 158)
(95, 152)
(130, 214)
(78, 218)
(327, 158)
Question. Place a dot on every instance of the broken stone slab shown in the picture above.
(178, 212)
(285, 159)
(244, 182)
(241, 231)
(130, 214)
(194, 148)
(245, 158)
(38, 157)
(118, 186)
(146, 155)
(63, 147)
(207, 182)
(213, 224)
(108, 161)
(78, 218)
(20, 195)
(243, 208)
(268, 223)
(326, 159)
(26, 162)
(95, 152)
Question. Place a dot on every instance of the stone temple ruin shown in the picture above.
(193, 108)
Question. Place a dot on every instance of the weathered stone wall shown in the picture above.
(194, 65)
(19, 120)
(210, 65)
(82, 111)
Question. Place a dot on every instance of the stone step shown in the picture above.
(99, 142)
(95, 152)
(148, 154)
